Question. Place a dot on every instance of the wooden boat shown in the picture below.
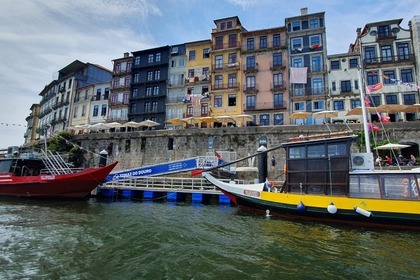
(48, 176)
(325, 182)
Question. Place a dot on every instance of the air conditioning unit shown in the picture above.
(362, 161)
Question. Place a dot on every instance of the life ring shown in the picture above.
(284, 169)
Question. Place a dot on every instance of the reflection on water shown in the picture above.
(148, 240)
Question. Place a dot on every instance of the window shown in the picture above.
(116, 83)
(191, 55)
(83, 110)
(297, 44)
(154, 106)
(205, 109)
(222, 25)
(299, 106)
(389, 74)
(149, 91)
(403, 51)
(232, 80)
(278, 100)
(383, 31)
(277, 59)
(263, 42)
(126, 83)
(76, 109)
(218, 43)
(147, 106)
(372, 78)
(345, 86)
(157, 74)
(375, 101)
(391, 99)
(218, 61)
(133, 108)
(370, 55)
(206, 71)
(298, 62)
(229, 25)
(264, 119)
(250, 62)
(136, 78)
(317, 87)
(173, 63)
(353, 63)
(250, 82)
(334, 86)
(250, 102)
(95, 110)
(406, 76)
(218, 101)
(135, 92)
(191, 73)
(278, 80)
(250, 44)
(77, 97)
(355, 103)
(409, 99)
(276, 40)
(298, 90)
(231, 58)
(103, 110)
(338, 105)
(206, 53)
(232, 100)
(150, 58)
(296, 26)
(313, 23)
(278, 119)
(386, 53)
(335, 64)
(181, 62)
(137, 61)
(356, 84)
(149, 75)
(314, 40)
(218, 82)
(158, 57)
(233, 40)
(156, 90)
(316, 63)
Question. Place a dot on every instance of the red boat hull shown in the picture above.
(71, 186)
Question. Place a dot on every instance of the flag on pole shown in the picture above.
(217, 154)
(373, 88)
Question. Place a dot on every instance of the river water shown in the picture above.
(99, 239)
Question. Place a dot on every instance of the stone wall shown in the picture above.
(136, 149)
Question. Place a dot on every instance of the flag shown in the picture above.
(298, 75)
(314, 47)
(298, 49)
(376, 87)
(367, 102)
(217, 154)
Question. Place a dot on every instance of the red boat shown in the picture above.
(48, 176)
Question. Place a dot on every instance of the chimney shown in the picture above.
(126, 55)
(303, 11)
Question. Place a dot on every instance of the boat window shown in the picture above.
(337, 149)
(364, 186)
(316, 151)
(5, 166)
(297, 152)
(403, 186)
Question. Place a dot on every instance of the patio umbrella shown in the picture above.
(242, 119)
(176, 121)
(81, 126)
(392, 146)
(113, 125)
(131, 124)
(391, 108)
(148, 123)
(358, 111)
(191, 120)
(224, 119)
(325, 114)
(208, 119)
(300, 115)
(415, 108)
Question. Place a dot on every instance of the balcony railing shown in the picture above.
(230, 45)
(225, 86)
(277, 66)
(251, 68)
(197, 79)
(389, 59)
(226, 66)
(257, 47)
(264, 106)
(176, 83)
(279, 86)
(250, 89)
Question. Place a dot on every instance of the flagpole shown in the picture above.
(365, 123)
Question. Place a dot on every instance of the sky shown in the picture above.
(38, 37)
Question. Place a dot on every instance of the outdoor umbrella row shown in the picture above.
(102, 126)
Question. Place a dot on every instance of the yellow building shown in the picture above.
(197, 82)
(226, 97)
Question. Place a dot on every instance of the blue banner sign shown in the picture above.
(154, 170)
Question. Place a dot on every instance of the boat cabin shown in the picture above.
(21, 166)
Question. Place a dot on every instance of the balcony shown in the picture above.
(382, 61)
(387, 35)
(250, 89)
(228, 86)
(276, 87)
(117, 104)
(230, 45)
(226, 66)
(277, 67)
(176, 83)
(249, 69)
(264, 106)
(317, 69)
(271, 45)
(197, 79)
